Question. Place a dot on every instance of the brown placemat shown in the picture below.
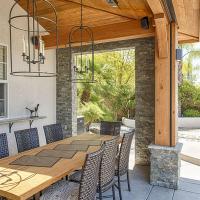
(35, 161)
(87, 142)
(56, 153)
(71, 147)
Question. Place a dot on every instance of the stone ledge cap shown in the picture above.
(176, 148)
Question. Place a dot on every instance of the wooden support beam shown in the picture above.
(160, 24)
(166, 92)
(161, 32)
(119, 31)
(162, 96)
(165, 77)
(174, 86)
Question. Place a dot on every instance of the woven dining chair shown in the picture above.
(4, 152)
(86, 189)
(27, 139)
(110, 128)
(123, 160)
(107, 169)
(53, 132)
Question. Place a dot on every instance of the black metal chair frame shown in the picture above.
(130, 135)
(110, 125)
(113, 185)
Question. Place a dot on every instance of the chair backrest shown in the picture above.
(53, 133)
(90, 175)
(4, 152)
(123, 160)
(110, 128)
(27, 139)
(107, 169)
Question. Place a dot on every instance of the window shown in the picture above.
(3, 81)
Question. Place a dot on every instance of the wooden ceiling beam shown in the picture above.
(188, 17)
(161, 27)
(155, 6)
(119, 31)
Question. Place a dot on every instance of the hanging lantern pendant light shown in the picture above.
(33, 47)
(86, 37)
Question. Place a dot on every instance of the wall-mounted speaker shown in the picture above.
(144, 23)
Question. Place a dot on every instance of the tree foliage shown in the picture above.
(114, 90)
(189, 64)
(189, 96)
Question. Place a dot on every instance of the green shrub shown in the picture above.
(191, 113)
(189, 97)
(92, 113)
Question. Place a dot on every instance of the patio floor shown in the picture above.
(142, 190)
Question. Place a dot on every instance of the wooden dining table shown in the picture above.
(22, 182)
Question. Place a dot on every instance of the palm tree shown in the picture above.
(189, 66)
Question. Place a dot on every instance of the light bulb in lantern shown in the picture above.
(24, 45)
(43, 47)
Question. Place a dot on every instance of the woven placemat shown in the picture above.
(71, 147)
(87, 142)
(35, 161)
(56, 153)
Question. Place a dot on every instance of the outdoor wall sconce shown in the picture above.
(32, 45)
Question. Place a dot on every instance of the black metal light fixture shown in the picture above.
(83, 64)
(29, 27)
(113, 3)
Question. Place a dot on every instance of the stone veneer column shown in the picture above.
(144, 91)
(66, 95)
(165, 165)
(145, 99)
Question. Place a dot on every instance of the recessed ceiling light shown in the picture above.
(113, 3)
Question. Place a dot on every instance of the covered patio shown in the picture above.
(154, 28)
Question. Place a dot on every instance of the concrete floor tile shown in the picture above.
(183, 195)
(189, 186)
(161, 193)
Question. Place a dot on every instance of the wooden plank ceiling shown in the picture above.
(188, 17)
(114, 23)
(108, 23)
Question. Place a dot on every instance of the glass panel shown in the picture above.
(3, 61)
(2, 108)
(3, 99)
(3, 71)
(2, 91)
(3, 54)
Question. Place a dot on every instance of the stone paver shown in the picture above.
(159, 193)
(183, 195)
(142, 190)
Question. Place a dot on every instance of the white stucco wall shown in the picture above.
(24, 92)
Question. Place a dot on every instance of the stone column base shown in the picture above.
(165, 165)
